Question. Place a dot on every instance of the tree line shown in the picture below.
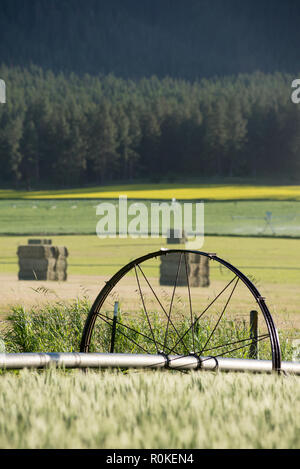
(68, 130)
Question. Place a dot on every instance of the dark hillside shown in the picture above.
(133, 38)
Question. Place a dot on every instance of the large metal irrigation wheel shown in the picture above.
(179, 320)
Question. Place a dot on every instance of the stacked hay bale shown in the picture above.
(61, 264)
(42, 262)
(168, 270)
(40, 241)
(176, 237)
(197, 270)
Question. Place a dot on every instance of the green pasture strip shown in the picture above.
(88, 255)
(157, 410)
(166, 191)
(62, 217)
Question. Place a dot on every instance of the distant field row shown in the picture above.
(166, 192)
(268, 260)
(272, 264)
(62, 217)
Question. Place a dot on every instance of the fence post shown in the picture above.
(254, 335)
(114, 325)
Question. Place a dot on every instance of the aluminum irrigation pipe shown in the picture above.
(14, 361)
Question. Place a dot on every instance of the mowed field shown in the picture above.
(235, 218)
(272, 264)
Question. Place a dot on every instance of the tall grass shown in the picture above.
(53, 409)
(144, 409)
(58, 327)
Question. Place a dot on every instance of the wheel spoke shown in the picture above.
(159, 331)
(260, 338)
(221, 315)
(102, 316)
(172, 299)
(190, 301)
(162, 307)
(264, 336)
(129, 338)
(144, 306)
(238, 348)
(203, 312)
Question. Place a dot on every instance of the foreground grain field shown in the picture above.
(148, 410)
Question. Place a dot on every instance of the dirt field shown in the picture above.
(272, 265)
(280, 300)
(29, 293)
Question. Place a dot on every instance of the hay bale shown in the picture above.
(172, 259)
(42, 262)
(197, 271)
(33, 275)
(176, 237)
(51, 276)
(61, 251)
(39, 241)
(36, 269)
(194, 277)
(194, 258)
(61, 264)
(37, 264)
(36, 252)
(61, 269)
(61, 276)
(166, 280)
(204, 272)
(204, 266)
(168, 270)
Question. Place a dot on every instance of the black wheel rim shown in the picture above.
(161, 345)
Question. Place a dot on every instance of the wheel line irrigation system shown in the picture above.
(14, 361)
(161, 359)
